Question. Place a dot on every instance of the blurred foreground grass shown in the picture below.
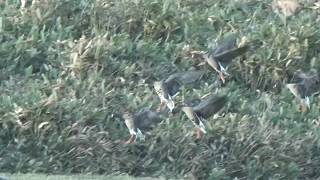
(69, 177)
(68, 67)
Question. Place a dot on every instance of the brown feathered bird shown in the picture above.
(139, 122)
(205, 109)
(167, 89)
(223, 55)
(307, 85)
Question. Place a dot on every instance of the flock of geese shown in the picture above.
(218, 58)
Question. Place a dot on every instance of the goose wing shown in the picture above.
(210, 106)
(146, 120)
(230, 42)
(227, 56)
(173, 84)
(298, 90)
(176, 80)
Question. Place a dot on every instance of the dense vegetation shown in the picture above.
(68, 67)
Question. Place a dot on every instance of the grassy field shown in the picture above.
(70, 177)
(68, 69)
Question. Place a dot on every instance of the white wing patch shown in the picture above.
(132, 132)
(170, 104)
(202, 127)
(223, 70)
(140, 135)
(307, 101)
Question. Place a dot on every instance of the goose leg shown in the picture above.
(132, 139)
(160, 108)
(222, 77)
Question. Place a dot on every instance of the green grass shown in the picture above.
(68, 69)
(69, 177)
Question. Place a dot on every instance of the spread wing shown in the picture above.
(190, 76)
(210, 106)
(227, 56)
(230, 42)
(186, 77)
(310, 77)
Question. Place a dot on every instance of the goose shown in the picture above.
(205, 109)
(223, 55)
(139, 122)
(167, 89)
(304, 88)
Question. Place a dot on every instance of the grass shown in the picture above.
(68, 177)
(68, 69)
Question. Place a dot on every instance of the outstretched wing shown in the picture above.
(230, 42)
(210, 106)
(227, 56)
(186, 77)
(191, 76)
(309, 77)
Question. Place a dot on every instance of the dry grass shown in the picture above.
(68, 67)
